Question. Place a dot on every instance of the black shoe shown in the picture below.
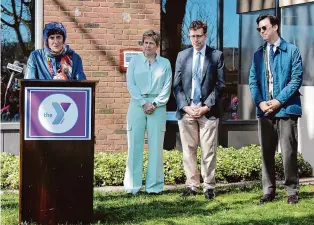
(293, 199)
(188, 192)
(154, 193)
(267, 198)
(209, 194)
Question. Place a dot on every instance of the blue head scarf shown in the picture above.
(54, 26)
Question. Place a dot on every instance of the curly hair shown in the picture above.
(198, 24)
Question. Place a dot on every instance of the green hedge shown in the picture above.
(10, 165)
(233, 165)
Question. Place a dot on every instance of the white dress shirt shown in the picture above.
(194, 64)
(270, 79)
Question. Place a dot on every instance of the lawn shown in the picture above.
(232, 206)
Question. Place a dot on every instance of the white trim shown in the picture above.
(39, 23)
(10, 126)
(283, 3)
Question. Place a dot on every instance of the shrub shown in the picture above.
(238, 165)
(233, 165)
(9, 171)
(109, 168)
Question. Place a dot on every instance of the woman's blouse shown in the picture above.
(149, 81)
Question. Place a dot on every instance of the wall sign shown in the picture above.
(57, 113)
(126, 56)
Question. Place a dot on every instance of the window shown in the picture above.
(231, 55)
(204, 10)
(17, 41)
(296, 20)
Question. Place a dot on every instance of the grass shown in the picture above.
(232, 206)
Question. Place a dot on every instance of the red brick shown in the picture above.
(91, 4)
(91, 15)
(147, 1)
(153, 6)
(138, 6)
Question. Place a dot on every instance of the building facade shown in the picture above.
(98, 30)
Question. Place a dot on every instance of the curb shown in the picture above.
(302, 181)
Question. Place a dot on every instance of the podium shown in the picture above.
(56, 151)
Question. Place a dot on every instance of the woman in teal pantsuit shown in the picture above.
(149, 79)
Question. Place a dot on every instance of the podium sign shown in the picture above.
(57, 113)
(57, 151)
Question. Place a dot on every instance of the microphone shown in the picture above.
(14, 68)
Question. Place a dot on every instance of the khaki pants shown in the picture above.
(194, 132)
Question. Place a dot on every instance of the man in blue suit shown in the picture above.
(275, 78)
(199, 80)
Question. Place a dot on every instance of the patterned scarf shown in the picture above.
(60, 64)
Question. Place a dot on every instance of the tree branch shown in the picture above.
(6, 11)
(7, 23)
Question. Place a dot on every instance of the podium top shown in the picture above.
(58, 83)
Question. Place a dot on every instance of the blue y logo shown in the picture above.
(60, 109)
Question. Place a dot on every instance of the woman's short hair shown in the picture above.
(153, 34)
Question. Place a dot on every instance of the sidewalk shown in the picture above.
(303, 181)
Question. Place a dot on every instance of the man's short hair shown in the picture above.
(198, 24)
(273, 19)
(153, 34)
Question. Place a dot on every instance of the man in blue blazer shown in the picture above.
(275, 78)
(198, 83)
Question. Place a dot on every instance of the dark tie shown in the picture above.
(197, 80)
(271, 59)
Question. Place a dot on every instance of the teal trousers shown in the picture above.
(137, 123)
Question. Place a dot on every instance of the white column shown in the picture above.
(39, 23)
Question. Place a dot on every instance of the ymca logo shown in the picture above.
(60, 109)
(58, 113)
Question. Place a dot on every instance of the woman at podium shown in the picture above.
(149, 79)
(56, 61)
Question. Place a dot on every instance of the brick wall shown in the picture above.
(97, 30)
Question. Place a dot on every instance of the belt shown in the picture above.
(149, 95)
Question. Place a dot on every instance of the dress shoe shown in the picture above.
(188, 192)
(154, 193)
(293, 199)
(209, 194)
(267, 198)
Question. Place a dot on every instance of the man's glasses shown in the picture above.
(198, 36)
(259, 29)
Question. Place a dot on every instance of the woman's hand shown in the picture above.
(60, 76)
(148, 108)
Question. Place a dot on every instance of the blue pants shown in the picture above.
(137, 123)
